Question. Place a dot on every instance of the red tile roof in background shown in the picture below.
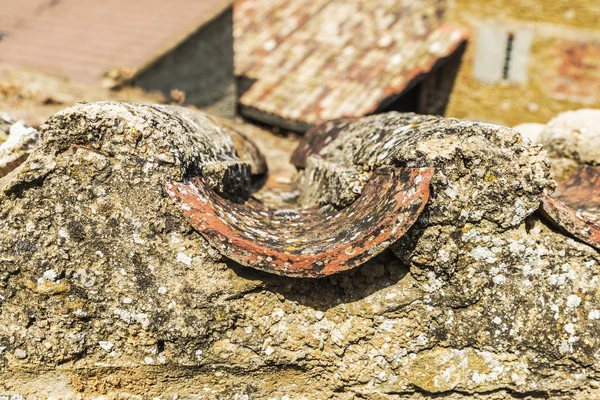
(83, 39)
(315, 60)
(14, 13)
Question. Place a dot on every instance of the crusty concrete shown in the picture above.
(6, 121)
(16, 142)
(483, 171)
(574, 135)
(571, 138)
(107, 291)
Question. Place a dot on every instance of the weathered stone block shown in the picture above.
(107, 291)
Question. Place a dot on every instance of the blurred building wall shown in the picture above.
(201, 66)
(527, 60)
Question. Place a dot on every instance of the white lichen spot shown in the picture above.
(50, 275)
(555, 308)
(337, 337)
(451, 192)
(573, 301)
(472, 233)
(422, 339)
(199, 355)
(162, 290)
(478, 378)
(30, 226)
(184, 258)
(80, 313)
(175, 238)
(444, 255)
(483, 254)
(63, 233)
(499, 279)
(149, 360)
(382, 376)
(497, 320)
(570, 328)
(277, 314)
(127, 300)
(388, 325)
(396, 59)
(106, 345)
(447, 374)
(565, 348)
(594, 314)
(129, 317)
(516, 247)
(269, 350)
(269, 45)
(137, 239)
(20, 353)
(434, 283)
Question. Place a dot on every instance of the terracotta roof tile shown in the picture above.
(315, 60)
(83, 39)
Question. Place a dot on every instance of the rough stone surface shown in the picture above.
(574, 135)
(6, 121)
(344, 183)
(106, 290)
(17, 141)
(483, 171)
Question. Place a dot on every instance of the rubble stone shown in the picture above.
(107, 291)
(16, 142)
(483, 171)
(574, 135)
(6, 121)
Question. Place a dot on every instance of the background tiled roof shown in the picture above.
(315, 60)
(83, 39)
(14, 13)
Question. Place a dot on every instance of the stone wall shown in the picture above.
(202, 67)
(106, 290)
